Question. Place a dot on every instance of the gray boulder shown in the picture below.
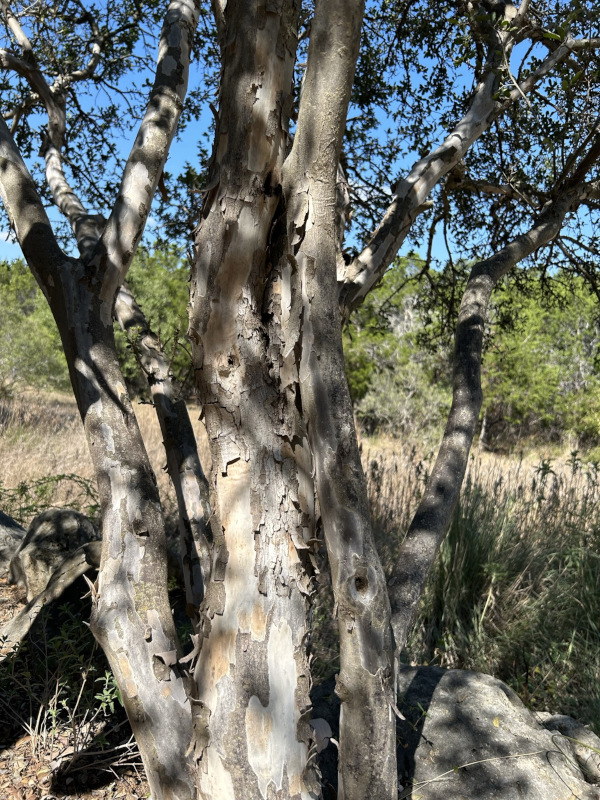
(11, 536)
(585, 743)
(468, 735)
(52, 536)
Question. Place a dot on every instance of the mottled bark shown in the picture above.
(131, 614)
(252, 671)
(434, 514)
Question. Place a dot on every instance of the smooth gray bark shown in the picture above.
(313, 345)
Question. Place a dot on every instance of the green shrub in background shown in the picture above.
(397, 386)
(30, 349)
(540, 371)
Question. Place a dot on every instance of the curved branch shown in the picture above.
(428, 527)
(369, 266)
(27, 214)
(144, 166)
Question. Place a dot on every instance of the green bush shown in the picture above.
(30, 348)
(397, 386)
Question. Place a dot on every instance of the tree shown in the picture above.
(270, 285)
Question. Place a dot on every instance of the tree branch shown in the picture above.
(428, 527)
(144, 166)
(183, 463)
(27, 214)
(369, 266)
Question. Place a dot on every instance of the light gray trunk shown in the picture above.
(252, 672)
(131, 616)
(365, 685)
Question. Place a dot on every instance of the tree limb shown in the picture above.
(27, 214)
(432, 518)
(183, 463)
(369, 266)
(113, 253)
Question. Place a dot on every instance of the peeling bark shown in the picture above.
(365, 685)
(252, 670)
(434, 514)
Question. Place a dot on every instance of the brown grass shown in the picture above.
(42, 436)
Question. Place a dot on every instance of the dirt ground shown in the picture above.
(34, 763)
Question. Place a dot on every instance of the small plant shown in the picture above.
(28, 499)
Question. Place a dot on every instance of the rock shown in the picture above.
(11, 536)
(468, 735)
(51, 537)
(585, 743)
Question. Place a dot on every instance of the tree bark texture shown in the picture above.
(183, 461)
(313, 346)
(252, 674)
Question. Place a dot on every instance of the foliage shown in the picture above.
(31, 353)
(30, 348)
(396, 385)
(540, 375)
(158, 280)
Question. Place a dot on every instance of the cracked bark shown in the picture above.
(131, 615)
(365, 685)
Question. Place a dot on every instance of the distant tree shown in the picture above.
(30, 347)
(271, 282)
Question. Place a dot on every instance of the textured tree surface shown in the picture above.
(272, 280)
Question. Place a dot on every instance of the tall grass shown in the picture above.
(515, 591)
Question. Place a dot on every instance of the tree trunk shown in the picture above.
(131, 616)
(252, 672)
(365, 685)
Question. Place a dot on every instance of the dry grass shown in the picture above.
(41, 437)
(515, 591)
